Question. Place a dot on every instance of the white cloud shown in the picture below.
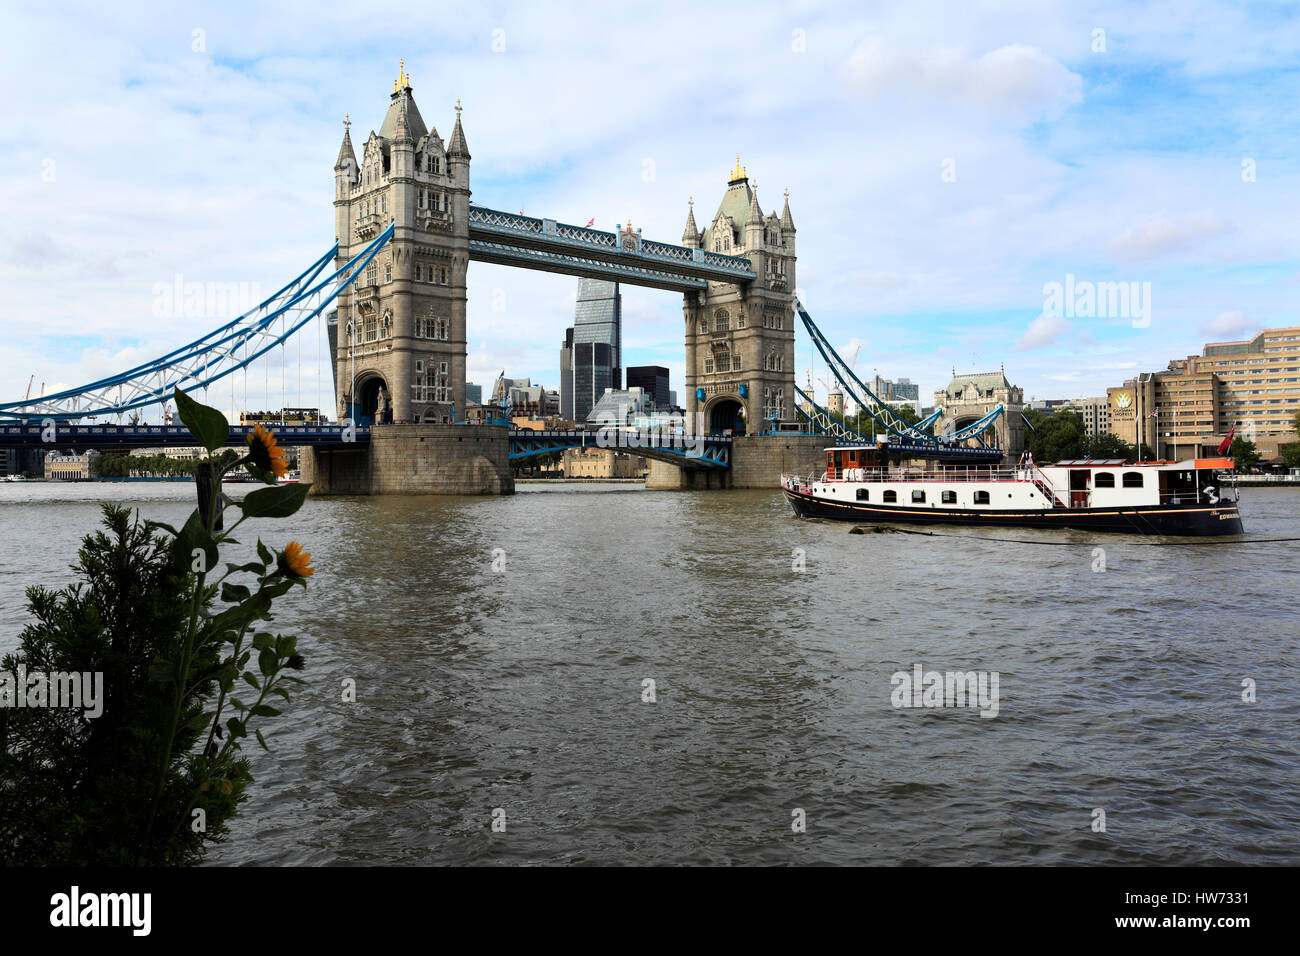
(1042, 332)
(1016, 81)
(1160, 234)
(1229, 324)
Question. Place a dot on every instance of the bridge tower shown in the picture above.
(740, 339)
(401, 326)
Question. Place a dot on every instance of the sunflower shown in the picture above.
(265, 453)
(295, 562)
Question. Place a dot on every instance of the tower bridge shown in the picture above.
(405, 233)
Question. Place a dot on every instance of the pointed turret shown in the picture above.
(787, 224)
(755, 217)
(346, 152)
(403, 132)
(457, 147)
(691, 234)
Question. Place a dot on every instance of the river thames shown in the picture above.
(501, 649)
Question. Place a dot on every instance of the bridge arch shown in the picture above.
(373, 399)
(723, 413)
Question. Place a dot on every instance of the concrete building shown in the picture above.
(740, 343)
(901, 392)
(68, 467)
(1095, 412)
(400, 335)
(653, 380)
(1187, 409)
(596, 462)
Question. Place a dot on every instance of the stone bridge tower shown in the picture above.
(969, 397)
(740, 340)
(401, 325)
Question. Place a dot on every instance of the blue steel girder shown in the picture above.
(649, 262)
(54, 434)
(712, 451)
(566, 263)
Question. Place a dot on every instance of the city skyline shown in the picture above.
(971, 177)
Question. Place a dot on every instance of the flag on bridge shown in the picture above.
(1227, 442)
(591, 222)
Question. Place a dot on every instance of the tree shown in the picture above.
(1291, 455)
(1244, 455)
(1104, 445)
(147, 772)
(1057, 437)
(863, 423)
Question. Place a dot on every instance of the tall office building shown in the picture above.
(595, 356)
(1186, 410)
(566, 376)
(653, 380)
(473, 394)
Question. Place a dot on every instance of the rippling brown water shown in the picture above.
(522, 690)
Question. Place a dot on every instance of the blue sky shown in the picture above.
(130, 156)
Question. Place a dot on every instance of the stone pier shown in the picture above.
(428, 459)
(756, 462)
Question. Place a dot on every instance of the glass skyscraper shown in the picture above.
(596, 355)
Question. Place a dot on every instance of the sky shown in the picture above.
(948, 164)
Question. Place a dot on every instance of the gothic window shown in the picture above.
(383, 204)
(421, 193)
(371, 328)
(721, 321)
(442, 275)
(723, 360)
(740, 320)
(386, 325)
(417, 274)
(388, 272)
(735, 363)
(372, 273)
(708, 366)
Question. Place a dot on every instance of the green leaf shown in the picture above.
(281, 691)
(194, 535)
(264, 553)
(261, 740)
(236, 727)
(206, 424)
(240, 568)
(232, 593)
(252, 679)
(267, 662)
(278, 502)
(265, 710)
(262, 640)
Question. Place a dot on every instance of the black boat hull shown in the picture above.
(1218, 519)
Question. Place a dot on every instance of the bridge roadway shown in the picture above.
(62, 435)
(708, 450)
(517, 240)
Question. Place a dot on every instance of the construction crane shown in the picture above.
(29, 387)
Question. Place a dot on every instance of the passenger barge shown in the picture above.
(1160, 497)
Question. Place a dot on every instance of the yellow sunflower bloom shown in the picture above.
(295, 562)
(266, 454)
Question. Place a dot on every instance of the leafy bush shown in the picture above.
(155, 778)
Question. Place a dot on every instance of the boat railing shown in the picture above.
(971, 473)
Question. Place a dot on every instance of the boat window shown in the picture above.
(891, 496)
(918, 497)
(1132, 479)
(950, 497)
(863, 494)
(981, 497)
(1104, 479)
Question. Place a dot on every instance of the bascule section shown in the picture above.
(740, 334)
(399, 354)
